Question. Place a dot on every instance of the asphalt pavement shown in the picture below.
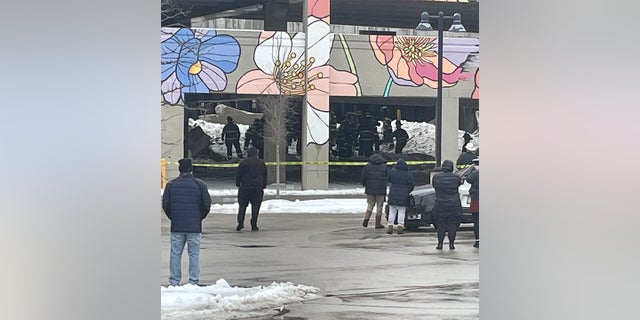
(363, 273)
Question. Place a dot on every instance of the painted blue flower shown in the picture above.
(195, 61)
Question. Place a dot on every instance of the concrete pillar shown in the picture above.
(275, 15)
(450, 111)
(172, 136)
(314, 176)
(315, 109)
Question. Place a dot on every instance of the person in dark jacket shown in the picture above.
(447, 209)
(401, 136)
(374, 179)
(474, 193)
(402, 184)
(254, 136)
(251, 181)
(231, 137)
(186, 202)
(366, 140)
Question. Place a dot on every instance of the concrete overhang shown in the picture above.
(403, 14)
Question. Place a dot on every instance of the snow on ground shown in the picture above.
(221, 301)
(421, 134)
(288, 192)
(325, 206)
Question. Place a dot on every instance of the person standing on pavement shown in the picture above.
(474, 193)
(402, 184)
(186, 202)
(231, 137)
(374, 179)
(251, 180)
(447, 209)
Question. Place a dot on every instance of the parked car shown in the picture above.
(420, 210)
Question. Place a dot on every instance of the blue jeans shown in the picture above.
(178, 240)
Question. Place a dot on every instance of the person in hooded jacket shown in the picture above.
(186, 202)
(474, 193)
(374, 179)
(447, 209)
(402, 184)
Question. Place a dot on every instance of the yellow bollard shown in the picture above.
(163, 173)
(398, 115)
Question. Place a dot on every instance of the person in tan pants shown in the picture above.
(374, 179)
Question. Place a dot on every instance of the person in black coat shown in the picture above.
(474, 193)
(374, 179)
(255, 136)
(447, 209)
(186, 202)
(231, 137)
(251, 180)
(402, 184)
(402, 137)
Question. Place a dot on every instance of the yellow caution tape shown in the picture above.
(297, 163)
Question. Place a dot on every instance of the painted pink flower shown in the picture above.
(319, 9)
(412, 61)
(282, 68)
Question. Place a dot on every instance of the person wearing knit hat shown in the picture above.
(186, 202)
(185, 165)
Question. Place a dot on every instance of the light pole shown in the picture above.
(456, 26)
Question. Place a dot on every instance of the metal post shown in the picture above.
(439, 92)
(456, 27)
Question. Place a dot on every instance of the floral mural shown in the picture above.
(413, 60)
(282, 66)
(476, 91)
(195, 61)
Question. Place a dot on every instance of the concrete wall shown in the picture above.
(243, 62)
(172, 137)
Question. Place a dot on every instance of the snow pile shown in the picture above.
(221, 301)
(422, 136)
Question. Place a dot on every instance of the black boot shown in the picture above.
(477, 244)
(439, 247)
(367, 216)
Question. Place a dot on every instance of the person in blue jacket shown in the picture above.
(402, 184)
(186, 202)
